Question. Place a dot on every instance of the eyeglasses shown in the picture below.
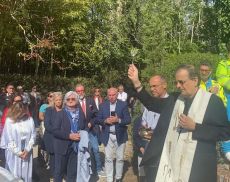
(71, 99)
(205, 70)
(154, 86)
(80, 90)
(50, 96)
(181, 82)
(17, 101)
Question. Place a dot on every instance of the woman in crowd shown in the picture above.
(96, 95)
(48, 103)
(18, 138)
(12, 100)
(69, 121)
(42, 110)
(49, 120)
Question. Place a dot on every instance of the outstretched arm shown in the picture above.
(151, 103)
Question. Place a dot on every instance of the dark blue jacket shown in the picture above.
(49, 120)
(62, 129)
(121, 128)
(91, 112)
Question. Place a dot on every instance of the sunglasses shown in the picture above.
(50, 96)
(71, 99)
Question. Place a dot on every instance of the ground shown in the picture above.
(129, 175)
(129, 172)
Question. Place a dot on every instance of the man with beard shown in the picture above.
(209, 84)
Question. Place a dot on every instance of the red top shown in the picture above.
(3, 120)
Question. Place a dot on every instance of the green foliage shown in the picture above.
(172, 61)
(95, 39)
(222, 8)
(58, 43)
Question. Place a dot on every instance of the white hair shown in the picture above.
(68, 94)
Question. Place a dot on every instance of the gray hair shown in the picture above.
(57, 94)
(68, 94)
(192, 72)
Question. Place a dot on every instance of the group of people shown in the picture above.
(72, 126)
(185, 125)
(175, 135)
(18, 134)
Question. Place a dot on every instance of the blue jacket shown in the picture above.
(62, 129)
(49, 120)
(121, 128)
(91, 111)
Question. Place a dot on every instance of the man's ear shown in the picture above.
(197, 81)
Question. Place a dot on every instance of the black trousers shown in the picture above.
(150, 173)
(66, 164)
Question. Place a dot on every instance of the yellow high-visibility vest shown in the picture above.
(220, 89)
(223, 74)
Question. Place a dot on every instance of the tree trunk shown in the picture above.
(1, 51)
(192, 33)
(51, 65)
(198, 25)
(179, 38)
(37, 67)
(179, 34)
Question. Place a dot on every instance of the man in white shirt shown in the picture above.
(114, 117)
(121, 94)
(158, 88)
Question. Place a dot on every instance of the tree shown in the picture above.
(223, 8)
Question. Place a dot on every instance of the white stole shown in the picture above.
(179, 148)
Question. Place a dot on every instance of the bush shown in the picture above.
(169, 64)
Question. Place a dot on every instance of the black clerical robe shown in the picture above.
(215, 127)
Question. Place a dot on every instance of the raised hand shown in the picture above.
(214, 89)
(133, 75)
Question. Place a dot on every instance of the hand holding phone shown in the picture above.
(112, 113)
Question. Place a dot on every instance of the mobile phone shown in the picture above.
(112, 113)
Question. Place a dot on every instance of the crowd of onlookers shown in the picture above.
(69, 128)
